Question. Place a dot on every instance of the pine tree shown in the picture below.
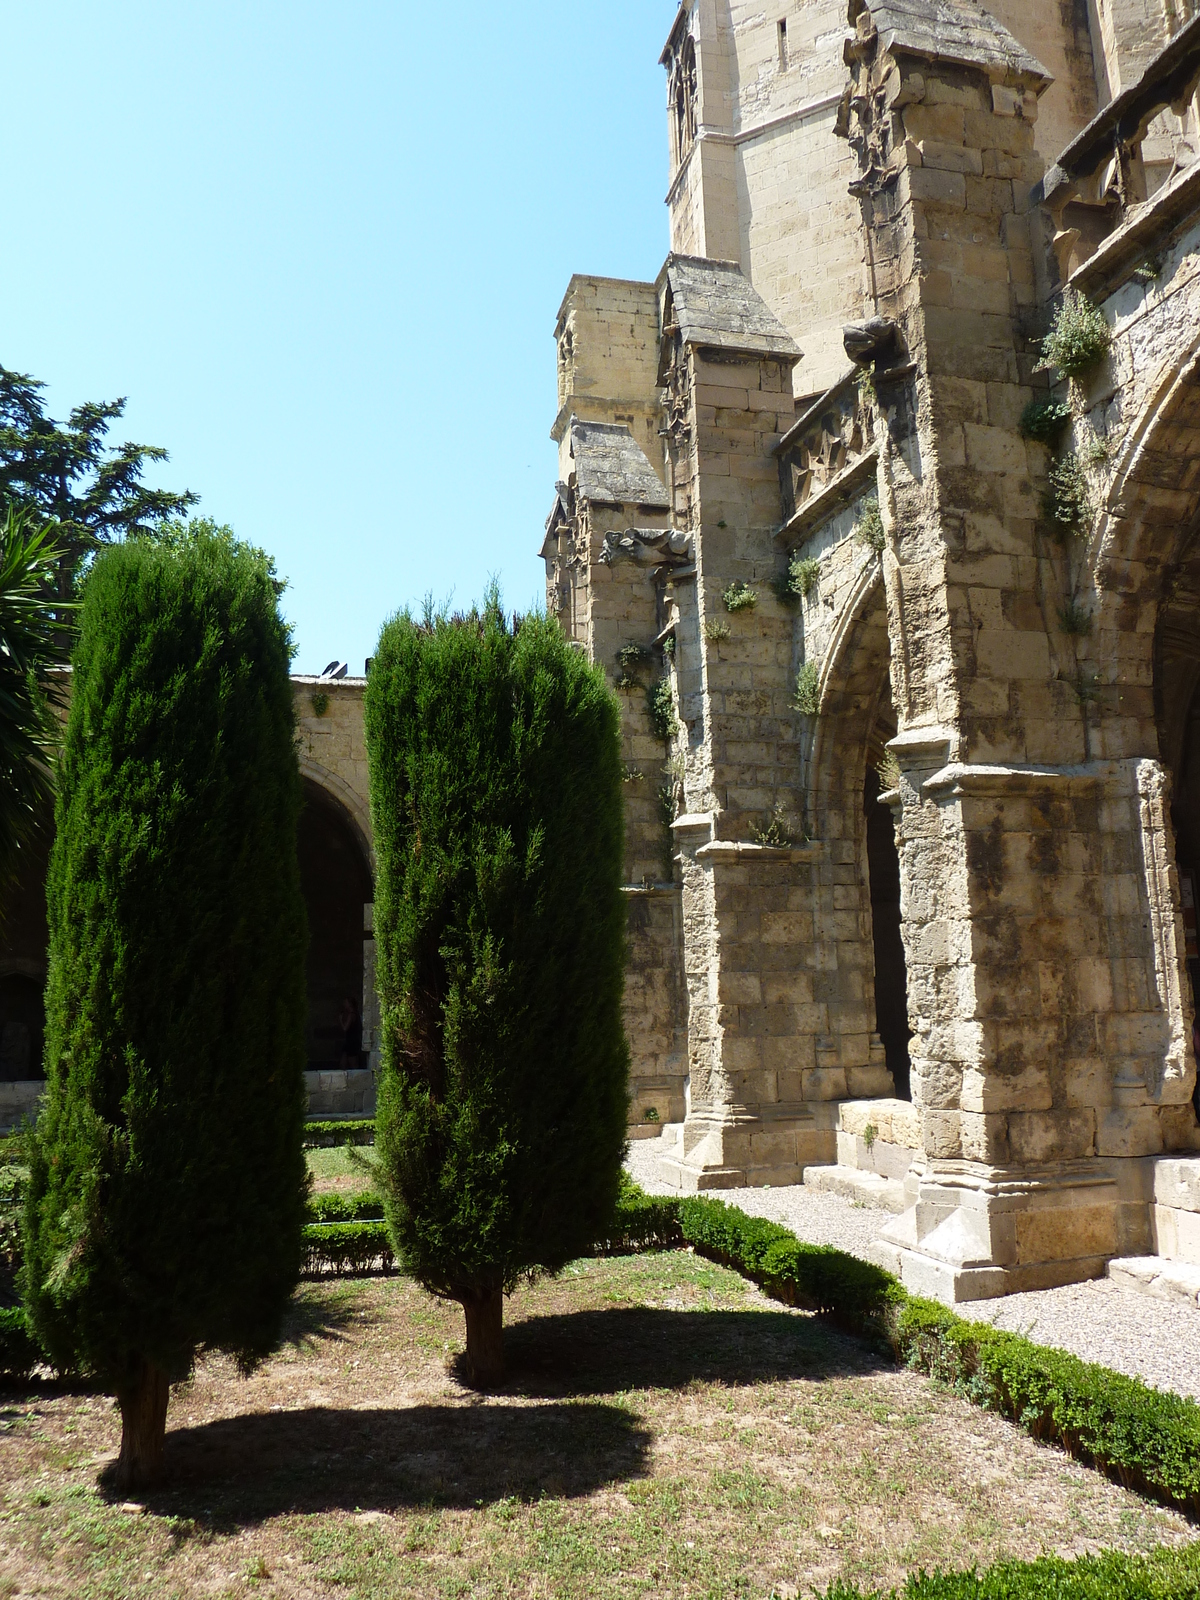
(496, 800)
(168, 1180)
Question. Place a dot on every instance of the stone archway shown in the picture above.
(335, 875)
(848, 754)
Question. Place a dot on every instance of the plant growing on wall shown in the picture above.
(661, 705)
(632, 660)
(1079, 336)
(1044, 420)
(740, 597)
(869, 527)
(495, 765)
(798, 582)
(1067, 501)
(156, 1222)
(715, 630)
(807, 697)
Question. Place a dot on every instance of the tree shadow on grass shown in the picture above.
(644, 1347)
(312, 1317)
(242, 1470)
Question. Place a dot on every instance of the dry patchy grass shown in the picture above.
(344, 1169)
(666, 1431)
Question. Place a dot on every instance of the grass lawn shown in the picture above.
(340, 1169)
(666, 1431)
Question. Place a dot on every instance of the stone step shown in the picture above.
(868, 1188)
(1156, 1275)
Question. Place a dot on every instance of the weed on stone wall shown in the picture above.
(1075, 619)
(740, 597)
(715, 630)
(1044, 420)
(662, 709)
(1079, 337)
(798, 582)
(807, 698)
(1067, 499)
(869, 527)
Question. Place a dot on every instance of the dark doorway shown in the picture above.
(23, 941)
(336, 881)
(891, 976)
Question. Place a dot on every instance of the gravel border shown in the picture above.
(1155, 1340)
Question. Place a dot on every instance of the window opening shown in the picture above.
(783, 45)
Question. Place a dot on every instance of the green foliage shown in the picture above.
(1146, 1439)
(798, 582)
(330, 1135)
(669, 647)
(319, 701)
(807, 698)
(852, 1293)
(640, 1222)
(715, 630)
(661, 704)
(1076, 619)
(19, 1353)
(888, 772)
(632, 659)
(1079, 337)
(68, 473)
(1167, 1574)
(347, 1247)
(869, 527)
(740, 597)
(1044, 420)
(500, 928)
(32, 641)
(1067, 501)
(775, 830)
(365, 1206)
(157, 1221)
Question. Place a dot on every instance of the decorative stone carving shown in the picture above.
(651, 546)
(833, 436)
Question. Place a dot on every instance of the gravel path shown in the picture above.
(1154, 1340)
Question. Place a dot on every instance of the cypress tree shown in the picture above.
(496, 800)
(168, 1180)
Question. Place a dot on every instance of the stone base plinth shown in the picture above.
(341, 1094)
(738, 1153)
(978, 1231)
(19, 1102)
(1176, 1281)
(1175, 1213)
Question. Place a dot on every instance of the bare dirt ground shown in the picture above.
(665, 1430)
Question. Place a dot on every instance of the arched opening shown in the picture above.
(891, 971)
(336, 881)
(1177, 714)
(23, 941)
(851, 734)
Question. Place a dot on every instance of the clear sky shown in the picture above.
(320, 249)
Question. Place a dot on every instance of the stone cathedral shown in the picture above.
(905, 621)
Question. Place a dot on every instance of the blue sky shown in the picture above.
(320, 249)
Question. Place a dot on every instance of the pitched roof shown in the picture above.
(611, 466)
(954, 30)
(714, 305)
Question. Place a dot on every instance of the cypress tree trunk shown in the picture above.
(485, 1336)
(143, 1406)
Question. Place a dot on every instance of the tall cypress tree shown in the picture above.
(168, 1179)
(499, 922)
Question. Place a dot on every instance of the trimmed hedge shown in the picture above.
(19, 1354)
(853, 1294)
(366, 1206)
(330, 1135)
(1165, 1575)
(350, 1247)
(641, 1222)
(1146, 1439)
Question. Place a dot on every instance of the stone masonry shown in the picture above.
(802, 524)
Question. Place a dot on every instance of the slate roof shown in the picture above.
(954, 30)
(715, 306)
(611, 466)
